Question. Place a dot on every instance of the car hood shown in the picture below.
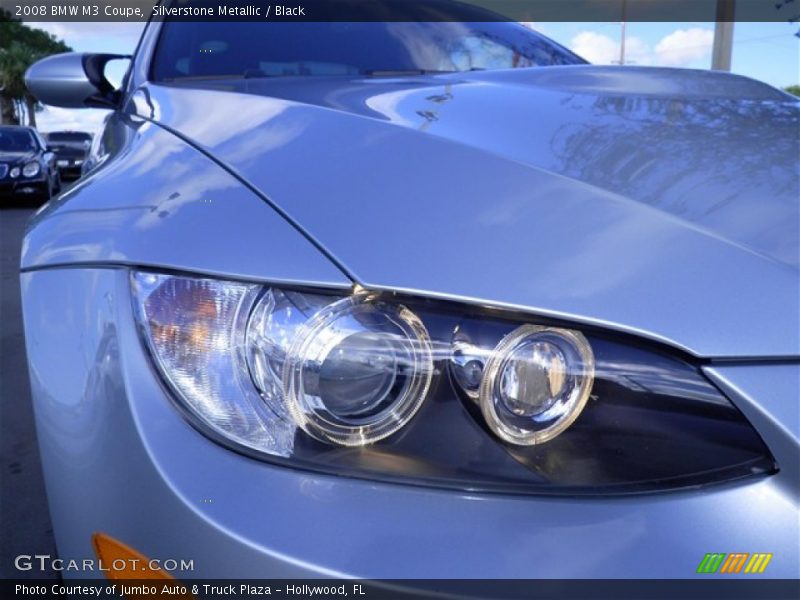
(16, 157)
(662, 202)
(68, 148)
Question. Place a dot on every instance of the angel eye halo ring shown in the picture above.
(536, 383)
(357, 371)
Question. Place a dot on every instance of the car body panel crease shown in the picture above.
(570, 246)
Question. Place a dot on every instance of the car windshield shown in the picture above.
(68, 137)
(16, 140)
(272, 49)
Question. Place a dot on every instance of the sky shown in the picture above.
(766, 51)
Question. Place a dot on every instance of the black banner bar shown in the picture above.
(404, 10)
(715, 587)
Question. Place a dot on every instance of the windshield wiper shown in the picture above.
(248, 74)
(401, 72)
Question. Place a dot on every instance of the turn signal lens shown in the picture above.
(124, 561)
(194, 329)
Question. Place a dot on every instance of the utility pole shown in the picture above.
(622, 33)
(2, 98)
(723, 35)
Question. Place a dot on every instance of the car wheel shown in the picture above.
(47, 193)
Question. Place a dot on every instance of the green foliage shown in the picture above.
(14, 61)
(20, 47)
(39, 41)
(793, 89)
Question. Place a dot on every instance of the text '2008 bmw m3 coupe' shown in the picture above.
(418, 300)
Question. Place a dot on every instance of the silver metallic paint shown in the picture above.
(158, 202)
(120, 459)
(485, 160)
(60, 80)
(459, 212)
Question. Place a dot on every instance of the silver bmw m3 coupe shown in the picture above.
(419, 300)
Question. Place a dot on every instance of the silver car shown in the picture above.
(419, 300)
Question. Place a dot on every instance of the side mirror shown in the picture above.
(73, 80)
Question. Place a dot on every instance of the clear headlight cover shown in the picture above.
(436, 394)
(195, 332)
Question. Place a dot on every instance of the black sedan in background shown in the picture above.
(27, 165)
(71, 148)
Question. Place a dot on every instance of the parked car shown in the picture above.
(103, 144)
(71, 149)
(92, 155)
(418, 300)
(27, 166)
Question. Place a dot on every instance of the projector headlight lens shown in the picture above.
(358, 371)
(536, 383)
(14, 173)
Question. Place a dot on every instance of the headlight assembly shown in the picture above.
(31, 169)
(434, 393)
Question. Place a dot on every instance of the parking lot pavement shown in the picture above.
(24, 520)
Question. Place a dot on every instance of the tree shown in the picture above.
(14, 61)
(20, 47)
(793, 89)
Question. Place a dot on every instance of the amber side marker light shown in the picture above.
(122, 563)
